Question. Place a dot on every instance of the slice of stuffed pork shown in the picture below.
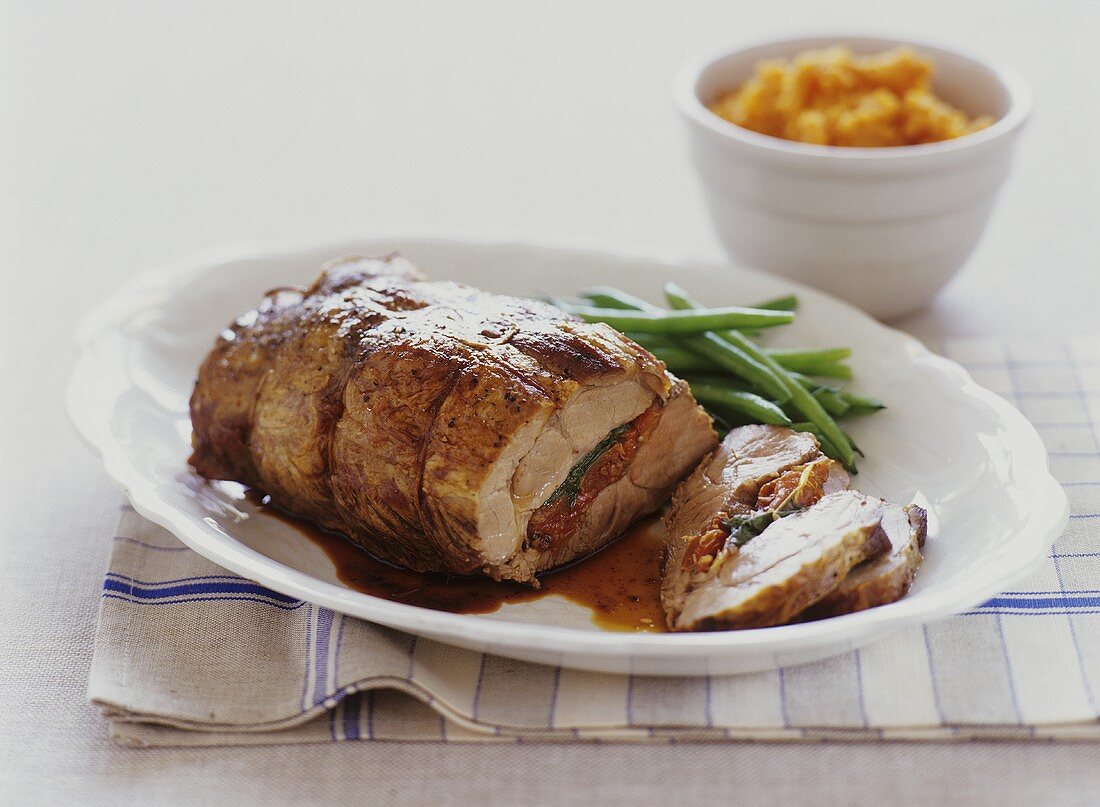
(794, 562)
(887, 578)
(734, 494)
(442, 427)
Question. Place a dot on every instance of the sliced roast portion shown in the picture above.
(793, 563)
(765, 531)
(442, 427)
(887, 578)
(755, 468)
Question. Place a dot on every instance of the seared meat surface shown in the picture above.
(765, 530)
(442, 427)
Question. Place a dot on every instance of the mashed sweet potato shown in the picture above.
(834, 97)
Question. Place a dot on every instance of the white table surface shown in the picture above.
(133, 133)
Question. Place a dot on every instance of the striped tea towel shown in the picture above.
(187, 654)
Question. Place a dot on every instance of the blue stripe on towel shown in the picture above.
(321, 648)
(153, 592)
(232, 597)
(129, 579)
(351, 717)
(1032, 603)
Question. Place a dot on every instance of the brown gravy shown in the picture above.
(619, 585)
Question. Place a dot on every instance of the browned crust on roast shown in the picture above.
(236, 368)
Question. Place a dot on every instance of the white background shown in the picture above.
(133, 133)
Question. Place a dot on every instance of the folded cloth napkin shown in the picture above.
(187, 654)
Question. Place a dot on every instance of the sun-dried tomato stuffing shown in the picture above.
(553, 523)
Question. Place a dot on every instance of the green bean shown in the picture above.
(857, 404)
(761, 410)
(799, 397)
(608, 297)
(861, 404)
(681, 322)
(830, 369)
(809, 356)
(831, 402)
(737, 361)
(786, 303)
(807, 360)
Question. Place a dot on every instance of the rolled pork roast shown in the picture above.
(440, 427)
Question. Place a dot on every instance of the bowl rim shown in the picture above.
(695, 111)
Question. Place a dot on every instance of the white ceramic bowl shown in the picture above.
(884, 228)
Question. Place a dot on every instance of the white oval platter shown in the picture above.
(959, 450)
